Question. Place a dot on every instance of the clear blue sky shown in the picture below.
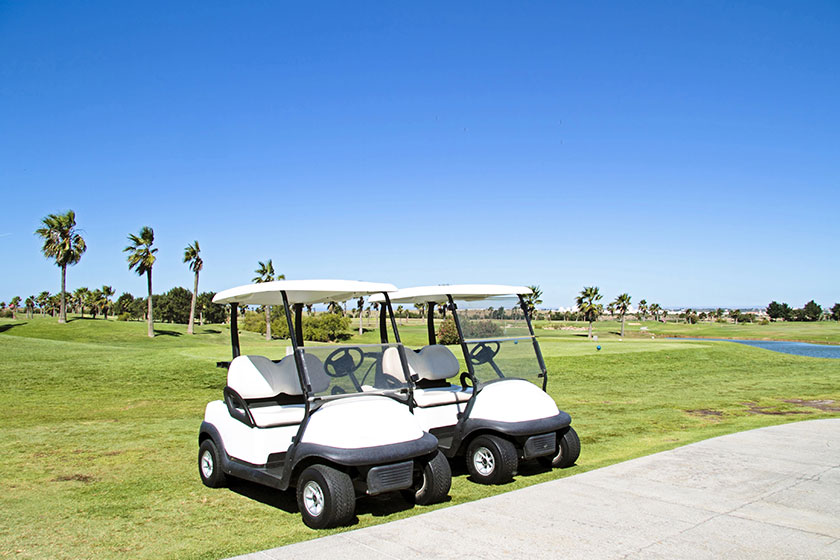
(685, 152)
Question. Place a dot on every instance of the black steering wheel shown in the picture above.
(483, 352)
(341, 362)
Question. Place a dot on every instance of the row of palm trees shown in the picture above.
(64, 244)
(587, 303)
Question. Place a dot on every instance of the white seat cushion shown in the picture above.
(277, 415)
(441, 395)
(433, 362)
(257, 377)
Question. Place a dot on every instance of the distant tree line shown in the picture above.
(811, 311)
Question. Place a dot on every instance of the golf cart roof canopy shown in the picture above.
(462, 292)
(300, 291)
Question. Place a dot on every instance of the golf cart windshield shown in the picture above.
(341, 370)
(499, 343)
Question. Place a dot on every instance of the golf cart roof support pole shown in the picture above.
(401, 353)
(464, 349)
(383, 328)
(299, 323)
(234, 329)
(524, 305)
(430, 321)
(299, 361)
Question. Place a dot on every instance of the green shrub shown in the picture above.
(480, 329)
(447, 333)
(124, 316)
(326, 327)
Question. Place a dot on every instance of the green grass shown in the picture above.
(99, 423)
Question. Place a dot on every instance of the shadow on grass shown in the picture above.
(209, 331)
(265, 495)
(10, 326)
(167, 333)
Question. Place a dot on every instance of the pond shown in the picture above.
(797, 348)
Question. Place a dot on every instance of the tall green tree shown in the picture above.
(265, 273)
(80, 299)
(622, 304)
(643, 309)
(141, 259)
(30, 306)
(655, 310)
(587, 303)
(835, 312)
(532, 300)
(42, 300)
(63, 243)
(812, 310)
(107, 294)
(360, 304)
(14, 305)
(191, 255)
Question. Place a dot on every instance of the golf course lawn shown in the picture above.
(99, 426)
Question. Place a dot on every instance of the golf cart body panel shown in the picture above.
(326, 415)
(506, 394)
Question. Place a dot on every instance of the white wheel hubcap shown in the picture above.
(207, 464)
(483, 461)
(313, 498)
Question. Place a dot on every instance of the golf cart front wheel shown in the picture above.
(568, 450)
(210, 465)
(325, 497)
(491, 459)
(432, 483)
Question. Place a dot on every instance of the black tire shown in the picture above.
(568, 450)
(210, 465)
(325, 497)
(432, 481)
(491, 459)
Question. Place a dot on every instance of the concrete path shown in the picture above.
(767, 493)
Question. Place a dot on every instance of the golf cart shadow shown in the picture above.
(378, 506)
(285, 501)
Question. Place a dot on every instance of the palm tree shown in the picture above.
(265, 273)
(95, 301)
(63, 243)
(611, 308)
(586, 303)
(399, 313)
(107, 294)
(532, 300)
(622, 304)
(141, 259)
(334, 307)
(80, 297)
(360, 304)
(30, 305)
(643, 308)
(191, 256)
(14, 305)
(688, 316)
(309, 307)
(421, 307)
(42, 299)
(655, 309)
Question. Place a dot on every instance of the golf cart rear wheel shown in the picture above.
(325, 497)
(431, 485)
(568, 450)
(491, 459)
(210, 465)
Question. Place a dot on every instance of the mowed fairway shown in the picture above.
(99, 424)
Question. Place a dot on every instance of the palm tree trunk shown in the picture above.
(151, 319)
(192, 305)
(62, 317)
(622, 326)
(267, 323)
(360, 321)
(590, 329)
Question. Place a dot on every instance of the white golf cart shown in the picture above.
(325, 419)
(497, 412)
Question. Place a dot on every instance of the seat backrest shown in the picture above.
(431, 362)
(257, 377)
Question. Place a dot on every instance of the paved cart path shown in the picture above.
(767, 493)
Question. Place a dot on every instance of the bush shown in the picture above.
(6, 313)
(480, 329)
(326, 327)
(124, 316)
(447, 333)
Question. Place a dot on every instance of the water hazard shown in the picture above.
(797, 348)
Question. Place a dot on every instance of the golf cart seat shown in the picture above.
(433, 365)
(272, 390)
